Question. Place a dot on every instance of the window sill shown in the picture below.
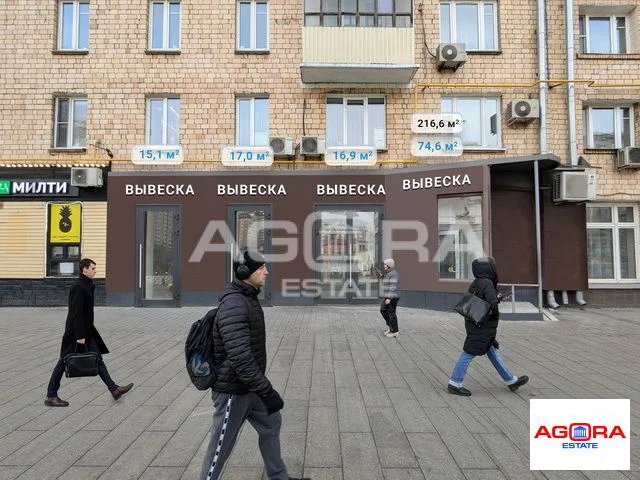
(70, 52)
(484, 52)
(484, 149)
(149, 51)
(54, 151)
(241, 51)
(614, 285)
(601, 150)
(608, 56)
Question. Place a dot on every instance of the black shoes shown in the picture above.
(458, 390)
(301, 478)
(55, 402)
(118, 392)
(521, 381)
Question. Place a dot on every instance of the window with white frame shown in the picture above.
(473, 23)
(163, 121)
(613, 249)
(253, 26)
(357, 13)
(73, 25)
(481, 119)
(252, 121)
(600, 34)
(70, 122)
(608, 127)
(164, 25)
(356, 121)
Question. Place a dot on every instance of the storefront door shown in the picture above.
(347, 252)
(158, 255)
(247, 224)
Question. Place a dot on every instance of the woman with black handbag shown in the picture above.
(481, 339)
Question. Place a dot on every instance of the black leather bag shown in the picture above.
(83, 364)
(474, 309)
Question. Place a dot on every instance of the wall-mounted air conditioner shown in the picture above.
(86, 177)
(629, 157)
(451, 55)
(523, 110)
(312, 145)
(282, 146)
(574, 186)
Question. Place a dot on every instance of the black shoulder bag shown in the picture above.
(473, 308)
(83, 364)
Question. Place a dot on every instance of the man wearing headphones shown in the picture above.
(241, 390)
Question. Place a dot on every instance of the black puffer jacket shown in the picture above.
(239, 342)
(485, 286)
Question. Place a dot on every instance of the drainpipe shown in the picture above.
(542, 89)
(571, 92)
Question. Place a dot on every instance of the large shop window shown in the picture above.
(70, 129)
(612, 242)
(356, 121)
(608, 127)
(164, 25)
(480, 117)
(357, 13)
(603, 34)
(63, 239)
(252, 121)
(163, 121)
(73, 25)
(459, 235)
(253, 26)
(473, 23)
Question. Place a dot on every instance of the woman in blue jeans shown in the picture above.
(481, 340)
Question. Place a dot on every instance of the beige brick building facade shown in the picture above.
(118, 73)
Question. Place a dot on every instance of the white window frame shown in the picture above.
(74, 28)
(165, 119)
(165, 26)
(481, 30)
(616, 226)
(345, 126)
(613, 34)
(69, 140)
(253, 26)
(484, 128)
(617, 125)
(252, 122)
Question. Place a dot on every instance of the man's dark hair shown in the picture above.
(85, 263)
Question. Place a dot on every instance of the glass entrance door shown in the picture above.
(247, 224)
(158, 256)
(347, 254)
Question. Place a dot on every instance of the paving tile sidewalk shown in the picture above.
(358, 406)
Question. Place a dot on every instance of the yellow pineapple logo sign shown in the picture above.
(65, 221)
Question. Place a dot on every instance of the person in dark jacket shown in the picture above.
(390, 296)
(81, 335)
(481, 340)
(242, 391)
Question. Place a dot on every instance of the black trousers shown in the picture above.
(58, 372)
(388, 312)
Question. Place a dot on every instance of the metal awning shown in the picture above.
(349, 73)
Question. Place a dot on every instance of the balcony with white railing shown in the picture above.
(357, 55)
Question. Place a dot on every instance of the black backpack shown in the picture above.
(198, 350)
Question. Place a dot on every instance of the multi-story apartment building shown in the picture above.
(111, 87)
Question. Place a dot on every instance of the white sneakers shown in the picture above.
(391, 334)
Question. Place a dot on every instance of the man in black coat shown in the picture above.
(80, 334)
(482, 340)
(242, 391)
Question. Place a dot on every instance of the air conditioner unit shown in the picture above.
(629, 157)
(282, 146)
(574, 186)
(523, 110)
(86, 177)
(312, 145)
(451, 55)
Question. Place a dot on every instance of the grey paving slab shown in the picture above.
(350, 394)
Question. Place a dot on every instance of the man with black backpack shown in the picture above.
(241, 389)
